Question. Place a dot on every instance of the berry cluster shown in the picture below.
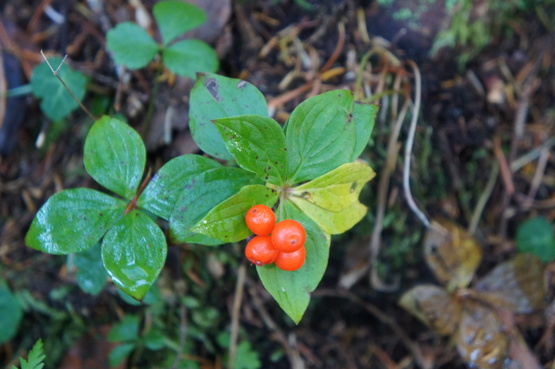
(281, 243)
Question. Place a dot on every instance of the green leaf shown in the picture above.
(246, 357)
(35, 358)
(57, 102)
(134, 251)
(152, 297)
(536, 236)
(10, 313)
(332, 199)
(155, 339)
(73, 221)
(206, 191)
(320, 135)
(292, 289)
(119, 353)
(188, 57)
(226, 222)
(177, 17)
(337, 189)
(115, 156)
(258, 145)
(91, 274)
(131, 45)
(214, 97)
(177, 175)
(126, 330)
(364, 116)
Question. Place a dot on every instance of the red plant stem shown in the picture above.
(133, 201)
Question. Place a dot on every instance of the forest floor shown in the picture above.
(483, 158)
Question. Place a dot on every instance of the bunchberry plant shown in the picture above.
(307, 171)
(133, 47)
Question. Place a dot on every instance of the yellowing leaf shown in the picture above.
(451, 253)
(337, 189)
(436, 308)
(332, 199)
(332, 222)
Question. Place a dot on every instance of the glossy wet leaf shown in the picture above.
(480, 339)
(516, 284)
(214, 97)
(292, 289)
(91, 274)
(189, 57)
(73, 221)
(115, 156)
(451, 253)
(206, 191)
(134, 251)
(337, 189)
(536, 236)
(10, 313)
(226, 221)
(131, 45)
(364, 116)
(176, 17)
(434, 307)
(177, 175)
(257, 144)
(56, 101)
(320, 135)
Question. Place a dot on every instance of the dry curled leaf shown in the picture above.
(451, 253)
(481, 341)
(516, 284)
(434, 307)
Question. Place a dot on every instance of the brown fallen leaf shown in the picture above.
(451, 253)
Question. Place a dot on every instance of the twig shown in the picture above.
(239, 288)
(538, 176)
(375, 240)
(484, 197)
(295, 360)
(382, 317)
(182, 335)
(408, 147)
(55, 73)
(337, 50)
(504, 166)
(531, 155)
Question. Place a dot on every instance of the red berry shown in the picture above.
(291, 261)
(260, 250)
(261, 220)
(288, 235)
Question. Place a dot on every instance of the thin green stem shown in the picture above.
(55, 73)
(152, 102)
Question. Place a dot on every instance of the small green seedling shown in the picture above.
(127, 334)
(536, 236)
(133, 47)
(35, 358)
(10, 313)
(308, 171)
(56, 103)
